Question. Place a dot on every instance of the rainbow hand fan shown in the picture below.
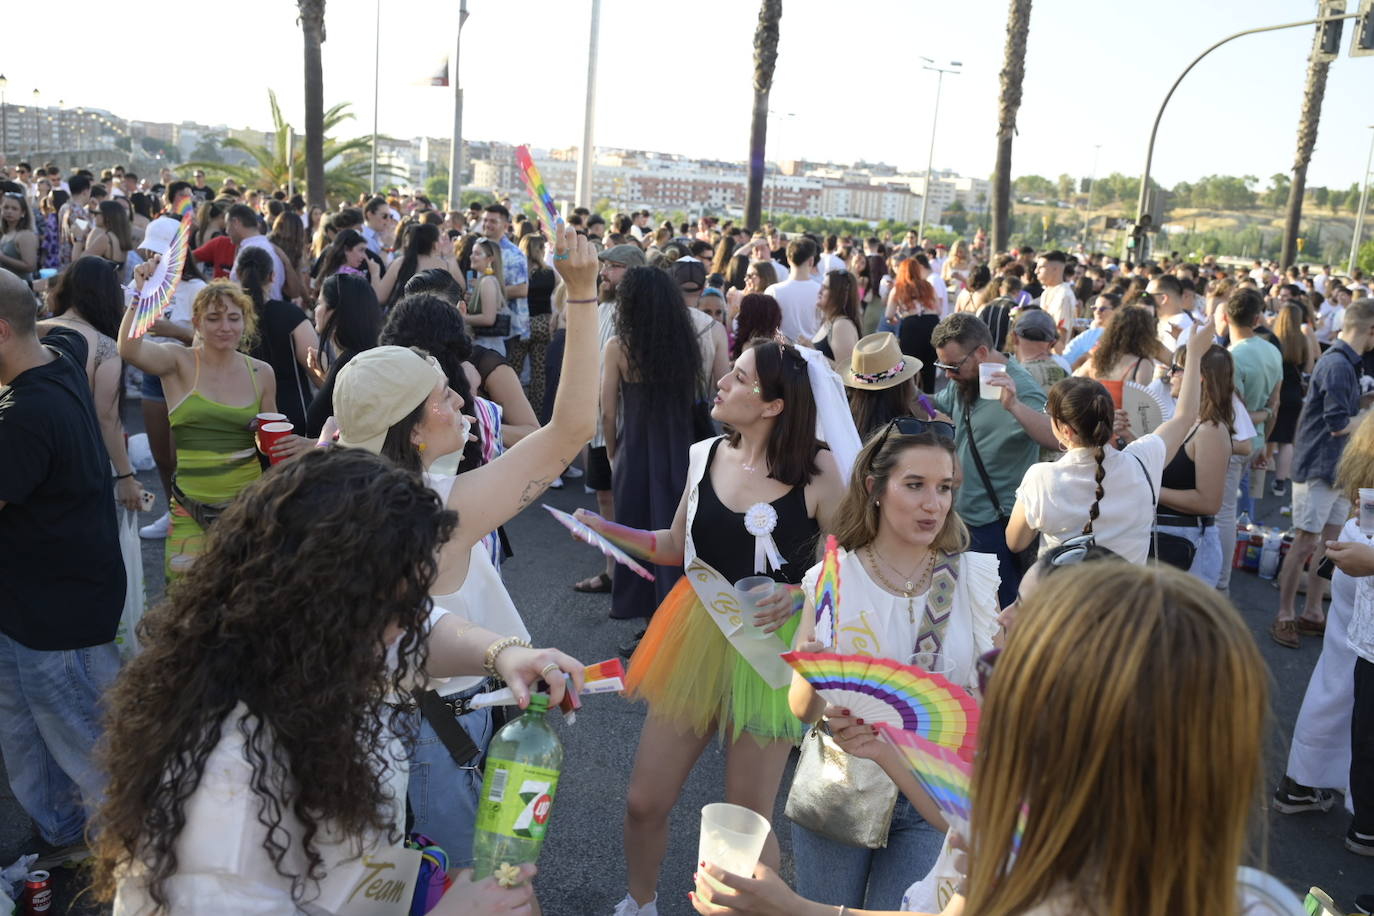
(880, 690)
(534, 183)
(945, 775)
(828, 593)
(158, 288)
(584, 533)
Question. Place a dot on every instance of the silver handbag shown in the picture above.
(841, 797)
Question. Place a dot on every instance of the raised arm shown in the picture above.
(158, 358)
(494, 493)
(1174, 430)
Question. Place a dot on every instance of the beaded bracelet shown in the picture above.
(495, 649)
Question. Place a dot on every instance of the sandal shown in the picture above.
(1311, 627)
(596, 585)
(1285, 633)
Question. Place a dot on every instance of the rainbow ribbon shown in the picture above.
(534, 183)
(828, 593)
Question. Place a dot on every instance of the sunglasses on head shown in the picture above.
(913, 426)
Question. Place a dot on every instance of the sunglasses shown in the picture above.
(1072, 551)
(946, 367)
(912, 426)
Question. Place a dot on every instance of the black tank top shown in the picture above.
(1181, 473)
(721, 539)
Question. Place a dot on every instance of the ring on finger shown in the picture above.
(544, 671)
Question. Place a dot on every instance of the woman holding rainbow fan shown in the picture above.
(755, 503)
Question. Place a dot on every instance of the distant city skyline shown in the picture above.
(848, 85)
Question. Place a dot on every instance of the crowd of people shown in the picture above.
(966, 423)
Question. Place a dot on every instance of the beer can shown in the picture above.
(37, 893)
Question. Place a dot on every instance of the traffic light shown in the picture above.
(1328, 46)
(1362, 43)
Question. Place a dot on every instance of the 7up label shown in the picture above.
(516, 799)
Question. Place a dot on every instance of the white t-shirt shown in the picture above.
(278, 269)
(1182, 320)
(223, 868)
(179, 307)
(875, 623)
(829, 261)
(1062, 305)
(1057, 496)
(941, 293)
(797, 299)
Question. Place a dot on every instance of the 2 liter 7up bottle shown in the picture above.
(518, 786)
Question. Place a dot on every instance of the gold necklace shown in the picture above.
(908, 585)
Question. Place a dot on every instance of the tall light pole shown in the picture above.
(37, 125)
(4, 118)
(376, 71)
(455, 153)
(1088, 204)
(952, 67)
(1359, 214)
(585, 191)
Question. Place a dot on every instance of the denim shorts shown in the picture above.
(443, 795)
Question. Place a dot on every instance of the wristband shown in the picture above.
(124, 476)
(581, 301)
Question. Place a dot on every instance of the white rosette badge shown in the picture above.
(760, 520)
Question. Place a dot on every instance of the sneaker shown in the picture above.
(572, 472)
(50, 857)
(1276, 487)
(1294, 798)
(628, 907)
(157, 530)
(556, 483)
(1365, 903)
(629, 648)
(1362, 844)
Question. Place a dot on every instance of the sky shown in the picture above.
(848, 84)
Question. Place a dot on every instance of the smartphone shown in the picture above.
(146, 500)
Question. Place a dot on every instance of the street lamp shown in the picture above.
(37, 126)
(952, 67)
(4, 118)
(1088, 204)
(1359, 214)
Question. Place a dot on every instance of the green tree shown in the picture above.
(765, 60)
(1065, 187)
(1364, 259)
(270, 167)
(1278, 190)
(207, 150)
(436, 187)
(1033, 186)
(1321, 196)
(1352, 198)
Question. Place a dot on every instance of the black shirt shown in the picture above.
(275, 347)
(60, 562)
(541, 291)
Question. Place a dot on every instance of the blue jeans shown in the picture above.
(49, 724)
(875, 879)
(443, 795)
(992, 538)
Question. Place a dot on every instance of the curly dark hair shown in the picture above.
(1133, 332)
(431, 323)
(285, 613)
(657, 337)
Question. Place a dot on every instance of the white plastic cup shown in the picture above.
(985, 387)
(1367, 511)
(750, 591)
(934, 662)
(732, 838)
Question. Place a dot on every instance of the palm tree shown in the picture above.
(270, 167)
(1307, 138)
(1013, 72)
(312, 27)
(765, 59)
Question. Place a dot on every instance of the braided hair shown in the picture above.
(1084, 405)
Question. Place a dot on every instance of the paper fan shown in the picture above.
(880, 690)
(162, 282)
(828, 593)
(1145, 406)
(534, 183)
(583, 533)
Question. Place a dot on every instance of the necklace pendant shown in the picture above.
(909, 587)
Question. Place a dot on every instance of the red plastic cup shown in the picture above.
(1115, 389)
(262, 418)
(269, 434)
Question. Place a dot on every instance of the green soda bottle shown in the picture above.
(518, 786)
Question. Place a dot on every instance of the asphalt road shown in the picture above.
(582, 870)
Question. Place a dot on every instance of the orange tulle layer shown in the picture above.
(689, 673)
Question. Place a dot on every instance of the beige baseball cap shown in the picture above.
(379, 388)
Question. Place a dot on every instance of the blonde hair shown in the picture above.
(213, 294)
(857, 518)
(1356, 467)
(1124, 727)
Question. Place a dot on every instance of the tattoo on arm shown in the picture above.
(540, 484)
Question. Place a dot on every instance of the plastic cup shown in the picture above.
(985, 387)
(269, 434)
(1367, 511)
(1116, 388)
(934, 662)
(270, 418)
(750, 591)
(732, 838)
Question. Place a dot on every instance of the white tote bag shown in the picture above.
(132, 548)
